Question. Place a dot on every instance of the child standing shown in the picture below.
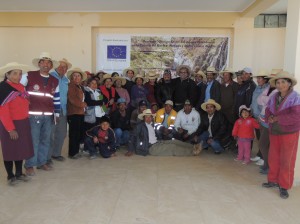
(243, 130)
(103, 137)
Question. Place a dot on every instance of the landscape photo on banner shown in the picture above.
(155, 53)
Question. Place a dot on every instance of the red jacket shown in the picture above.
(244, 128)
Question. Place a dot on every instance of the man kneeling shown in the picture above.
(103, 137)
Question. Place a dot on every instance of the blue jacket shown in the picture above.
(63, 90)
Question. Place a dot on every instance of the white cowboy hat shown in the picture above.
(283, 75)
(129, 69)
(83, 74)
(123, 80)
(45, 56)
(228, 70)
(64, 60)
(183, 66)
(211, 70)
(262, 73)
(12, 66)
(140, 76)
(210, 101)
(200, 73)
(152, 75)
(146, 112)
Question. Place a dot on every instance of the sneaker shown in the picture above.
(197, 149)
(30, 171)
(58, 158)
(84, 153)
(93, 157)
(76, 156)
(245, 162)
(44, 167)
(218, 153)
(264, 171)
(23, 177)
(237, 160)
(49, 162)
(283, 193)
(260, 162)
(255, 159)
(270, 185)
(12, 181)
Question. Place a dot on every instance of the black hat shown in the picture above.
(142, 103)
(104, 119)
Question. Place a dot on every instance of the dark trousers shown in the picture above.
(9, 168)
(75, 133)
(104, 148)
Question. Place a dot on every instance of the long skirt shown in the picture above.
(20, 149)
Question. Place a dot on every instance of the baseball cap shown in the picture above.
(169, 102)
(142, 103)
(247, 70)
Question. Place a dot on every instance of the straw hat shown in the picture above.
(210, 101)
(123, 80)
(44, 56)
(129, 69)
(12, 66)
(262, 73)
(183, 66)
(152, 75)
(146, 112)
(211, 70)
(104, 77)
(200, 73)
(66, 62)
(283, 75)
(228, 70)
(83, 74)
(274, 71)
(140, 76)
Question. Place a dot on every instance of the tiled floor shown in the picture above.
(209, 189)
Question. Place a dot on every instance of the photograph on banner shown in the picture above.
(159, 52)
(156, 53)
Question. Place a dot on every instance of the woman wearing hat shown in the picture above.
(110, 95)
(138, 91)
(151, 87)
(282, 113)
(129, 74)
(15, 133)
(119, 82)
(75, 110)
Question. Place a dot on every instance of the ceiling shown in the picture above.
(133, 5)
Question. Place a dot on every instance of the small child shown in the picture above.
(101, 136)
(243, 130)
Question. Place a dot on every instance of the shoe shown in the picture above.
(245, 162)
(44, 167)
(12, 181)
(76, 156)
(264, 171)
(58, 158)
(23, 177)
(270, 185)
(30, 171)
(218, 153)
(237, 160)
(93, 157)
(49, 162)
(283, 193)
(128, 153)
(84, 153)
(255, 159)
(197, 149)
(260, 162)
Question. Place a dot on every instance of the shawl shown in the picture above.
(8, 93)
(287, 113)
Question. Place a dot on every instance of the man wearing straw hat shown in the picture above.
(59, 130)
(44, 104)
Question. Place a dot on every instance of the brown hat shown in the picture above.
(123, 80)
(210, 101)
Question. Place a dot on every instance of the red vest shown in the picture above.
(41, 97)
(105, 93)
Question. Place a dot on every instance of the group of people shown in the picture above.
(168, 116)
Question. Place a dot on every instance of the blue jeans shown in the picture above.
(122, 137)
(216, 145)
(104, 148)
(41, 126)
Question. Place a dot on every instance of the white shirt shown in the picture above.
(209, 127)
(151, 132)
(189, 122)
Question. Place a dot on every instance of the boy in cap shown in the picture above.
(103, 137)
(134, 115)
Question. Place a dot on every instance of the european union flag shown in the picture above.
(116, 51)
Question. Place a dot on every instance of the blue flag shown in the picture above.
(116, 52)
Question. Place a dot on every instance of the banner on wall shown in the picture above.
(116, 52)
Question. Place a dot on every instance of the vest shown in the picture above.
(41, 97)
(105, 92)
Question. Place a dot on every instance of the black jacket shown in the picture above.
(163, 92)
(117, 121)
(215, 93)
(218, 126)
(184, 89)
